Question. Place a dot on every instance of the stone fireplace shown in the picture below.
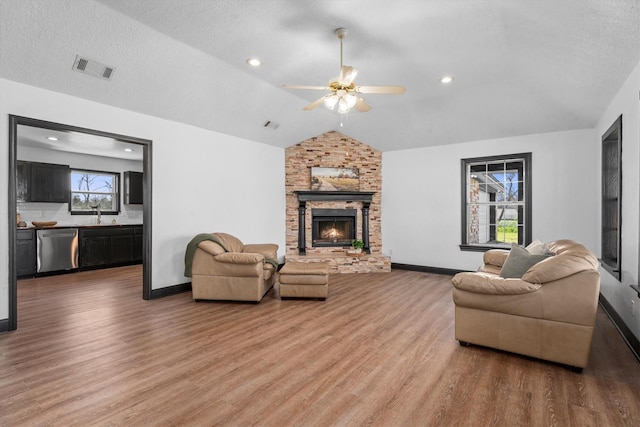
(320, 225)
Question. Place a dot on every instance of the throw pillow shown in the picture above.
(519, 261)
(537, 248)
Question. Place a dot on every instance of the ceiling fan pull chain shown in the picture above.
(342, 117)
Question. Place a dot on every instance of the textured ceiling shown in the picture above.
(520, 66)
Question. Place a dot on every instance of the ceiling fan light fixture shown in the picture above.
(343, 107)
(351, 100)
(345, 101)
(330, 101)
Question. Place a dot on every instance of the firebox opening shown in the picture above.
(333, 227)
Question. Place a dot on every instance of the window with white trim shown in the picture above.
(93, 189)
(496, 201)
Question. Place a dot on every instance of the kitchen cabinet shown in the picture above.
(23, 170)
(95, 250)
(122, 248)
(133, 188)
(25, 253)
(42, 182)
(108, 246)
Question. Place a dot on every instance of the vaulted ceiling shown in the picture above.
(519, 66)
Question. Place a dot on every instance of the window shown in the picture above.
(496, 201)
(611, 198)
(90, 189)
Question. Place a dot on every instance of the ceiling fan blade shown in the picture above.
(305, 87)
(314, 104)
(388, 90)
(347, 75)
(362, 106)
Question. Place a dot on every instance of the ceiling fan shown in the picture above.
(343, 89)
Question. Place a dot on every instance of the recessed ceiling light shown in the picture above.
(129, 150)
(52, 138)
(446, 79)
(254, 62)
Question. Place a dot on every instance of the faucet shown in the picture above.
(99, 212)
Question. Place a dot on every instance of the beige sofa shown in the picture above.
(549, 313)
(224, 268)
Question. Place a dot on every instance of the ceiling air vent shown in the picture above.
(93, 68)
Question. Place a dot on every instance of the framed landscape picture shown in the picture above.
(335, 179)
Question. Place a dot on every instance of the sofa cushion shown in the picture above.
(559, 267)
(519, 261)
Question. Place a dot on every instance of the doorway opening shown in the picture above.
(16, 123)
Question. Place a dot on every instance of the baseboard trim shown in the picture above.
(170, 290)
(4, 325)
(426, 269)
(623, 329)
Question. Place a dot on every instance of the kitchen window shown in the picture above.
(496, 202)
(93, 190)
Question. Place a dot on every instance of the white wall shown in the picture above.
(618, 293)
(202, 180)
(421, 196)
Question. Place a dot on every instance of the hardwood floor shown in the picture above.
(379, 351)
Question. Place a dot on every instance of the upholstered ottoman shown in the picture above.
(304, 280)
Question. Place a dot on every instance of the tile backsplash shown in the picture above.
(129, 214)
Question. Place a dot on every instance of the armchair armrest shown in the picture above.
(240, 258)
(495, 257)
(485, 283)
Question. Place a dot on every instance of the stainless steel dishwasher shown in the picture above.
(57, 249)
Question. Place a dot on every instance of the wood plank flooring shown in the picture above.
(380, 351)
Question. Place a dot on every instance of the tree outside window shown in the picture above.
(496, 201)
(93, 189)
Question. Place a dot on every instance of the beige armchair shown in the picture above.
(548, 313)
(223, 268)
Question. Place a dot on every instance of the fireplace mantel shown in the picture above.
(345, 196)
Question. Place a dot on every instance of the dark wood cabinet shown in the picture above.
(108, 246)
(133, 188)
(122, 248)
(25, 253)
(95, 251)
(42, 182)
(23, 173)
